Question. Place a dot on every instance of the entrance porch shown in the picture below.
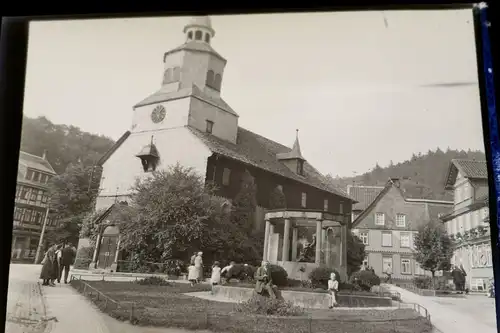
(301, 240)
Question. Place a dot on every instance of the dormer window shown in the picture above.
(300, 167)
(198, 35)
(210, 126)
(149, 157)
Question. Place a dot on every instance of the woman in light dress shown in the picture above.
(333, 288)
(192, 275)
(198, 264)
(216, 272)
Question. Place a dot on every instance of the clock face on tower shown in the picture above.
(158, 114)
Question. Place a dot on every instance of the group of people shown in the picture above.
(195, 269)
(58, 258)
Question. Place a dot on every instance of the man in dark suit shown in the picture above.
(264, 281)
(67, 259)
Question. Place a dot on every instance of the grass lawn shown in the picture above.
(167, 306)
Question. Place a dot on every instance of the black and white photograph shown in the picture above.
(288, 172)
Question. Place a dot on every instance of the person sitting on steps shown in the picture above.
(264, 280)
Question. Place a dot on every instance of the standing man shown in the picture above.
(67, 259)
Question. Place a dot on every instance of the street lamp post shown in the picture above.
(42, 234)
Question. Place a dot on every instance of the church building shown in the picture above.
(187, 121)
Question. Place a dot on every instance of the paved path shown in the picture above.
(455, 315)
(59, 309)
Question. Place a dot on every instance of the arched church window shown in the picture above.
(190, 35)
(210, 78)
(207, 38)
(217, 81)
(167, 77)
(198, 35)
(176, 74)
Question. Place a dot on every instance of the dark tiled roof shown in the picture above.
(261, 152)
(365, 195)
(35, 162)
(471, 168)
(194, 91)
(196, 47)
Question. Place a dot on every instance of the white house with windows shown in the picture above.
(468, 221)
(388, 225)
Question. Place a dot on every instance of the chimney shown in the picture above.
(44, 156)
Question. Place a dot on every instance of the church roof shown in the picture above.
(35, 162)
(196, 47)
(194, 91)
(260, 152)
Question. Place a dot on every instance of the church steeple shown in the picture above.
(294, 159)
(199, 29)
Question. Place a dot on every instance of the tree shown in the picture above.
(433, 247)
(277, 199)
(174, 213)
(245, 203)
(355, 253)
(72, 195)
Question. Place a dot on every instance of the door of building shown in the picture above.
(107, 251)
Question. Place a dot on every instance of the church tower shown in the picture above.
(190, 89)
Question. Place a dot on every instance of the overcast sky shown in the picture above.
(362, 87)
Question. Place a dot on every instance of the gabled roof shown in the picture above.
(364, 195)
(35, 162)
(470, 169)
(193, 91)
(260, 152)
(433, 207)
(113, 148)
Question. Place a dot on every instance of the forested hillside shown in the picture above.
(423, 175)
(64, 143)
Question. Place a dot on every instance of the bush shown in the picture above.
(174, 267)
(422, 282)
(269, 306)
(153, 281)
(241, 272)
(84, 257)
(319, 276)
(278, 275)
(365, 280)
(292, 283)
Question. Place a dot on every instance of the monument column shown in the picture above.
(328, 249)
(343, 246)
(266, 240)
(319, 227)
(286, 241)
(294, 243)
(269, 242)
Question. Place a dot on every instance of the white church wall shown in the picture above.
(177, 112)
(177, 145)
(225, 124)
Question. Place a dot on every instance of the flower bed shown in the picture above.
(167, 306)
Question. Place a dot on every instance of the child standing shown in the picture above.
(215, 279)
(333, 288)
(192, 275)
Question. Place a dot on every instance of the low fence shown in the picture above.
(204, 316)
(103, 301)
